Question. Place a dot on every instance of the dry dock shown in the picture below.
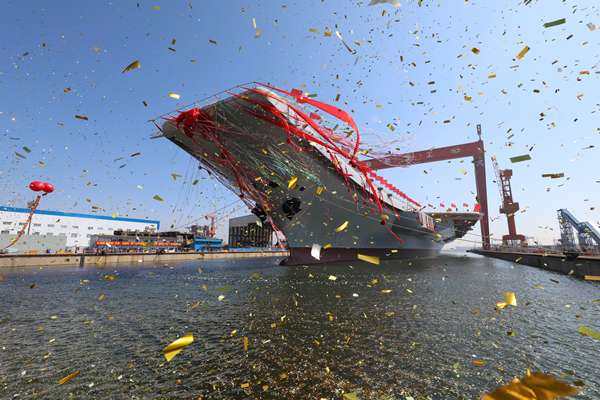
(88, 259)
(581, 266)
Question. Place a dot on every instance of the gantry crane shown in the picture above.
(509, 207)
(474, 150)
(589, 238)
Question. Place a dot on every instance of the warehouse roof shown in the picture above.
(76, 215)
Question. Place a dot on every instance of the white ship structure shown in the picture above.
(300, 173)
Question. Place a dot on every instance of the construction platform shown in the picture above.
(581, 266)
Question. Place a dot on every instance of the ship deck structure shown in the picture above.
(283, 158)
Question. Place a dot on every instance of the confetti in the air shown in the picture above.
(133, 65)
(174, 348)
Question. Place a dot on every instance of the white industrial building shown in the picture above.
(77, 229)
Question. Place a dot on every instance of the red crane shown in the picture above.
(474, 150)
(509, 207)
(211, 233)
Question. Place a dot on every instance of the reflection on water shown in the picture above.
(313, 332)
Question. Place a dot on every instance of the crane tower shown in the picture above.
(509, 207)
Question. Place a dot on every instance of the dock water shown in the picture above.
(581, 266)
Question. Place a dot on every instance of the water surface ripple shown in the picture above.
(310, 336)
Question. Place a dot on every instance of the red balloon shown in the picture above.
(36, 186)
(48, 188)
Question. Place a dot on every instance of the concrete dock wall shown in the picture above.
(552, 262)
(47, 260)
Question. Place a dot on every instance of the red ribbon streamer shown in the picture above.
(26, 223)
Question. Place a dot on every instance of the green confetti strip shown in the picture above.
(220, 289)
(589, 332)
(520, 158)
(554, 23)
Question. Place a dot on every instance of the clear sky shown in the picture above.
(414, 61)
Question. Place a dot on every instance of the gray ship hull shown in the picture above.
(327, 209)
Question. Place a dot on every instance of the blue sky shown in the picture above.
(49, 47)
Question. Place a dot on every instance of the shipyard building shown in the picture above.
(249, 232)
(61, 230)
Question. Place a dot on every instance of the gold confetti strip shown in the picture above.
(523, 52)
(369, 259)
(510, 298)
(478, 362)
(342, 227)
(538, 286)
(30, 361)
(592, 278)
(80, 117)
(174, 348)
(68, 378)
(212, 41)
(32, 286)
(554, 176)
(501, 305)
(175, 96)
(536, 386)
(67, 90)
(101, 297)
(475, 50)
(133, 65)
(245, 343)
(156, 8)
(254, 276)
(157, 197)
(332, 278)
(292, 182)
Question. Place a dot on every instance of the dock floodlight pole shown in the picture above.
(509, 207)
(474, 149)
